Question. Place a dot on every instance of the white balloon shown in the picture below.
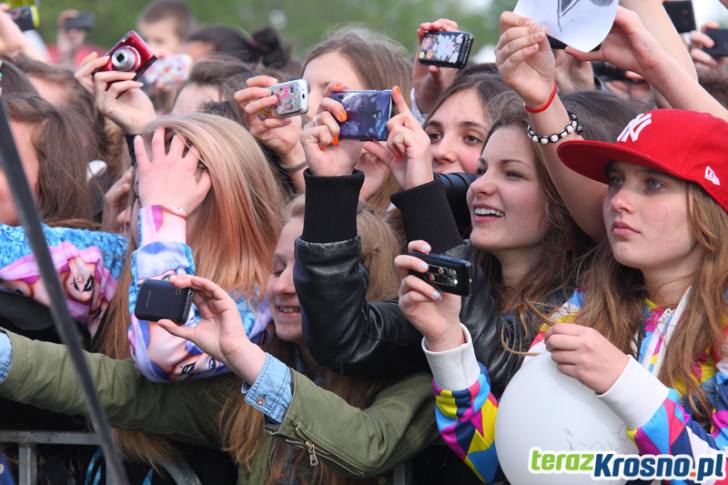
(541, 407)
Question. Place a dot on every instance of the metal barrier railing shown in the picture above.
(27, 442)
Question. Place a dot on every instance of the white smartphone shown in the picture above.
(292, 99)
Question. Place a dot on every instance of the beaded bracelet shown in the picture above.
(572, 127)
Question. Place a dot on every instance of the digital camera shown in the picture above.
(130, 54)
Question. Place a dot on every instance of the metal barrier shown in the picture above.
(27, 441)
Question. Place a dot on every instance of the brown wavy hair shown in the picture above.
(242, 426)
(63, 192)
(614, 298)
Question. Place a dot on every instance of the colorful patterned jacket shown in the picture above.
(659, 421)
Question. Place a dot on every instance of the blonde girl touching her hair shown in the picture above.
(200, 191)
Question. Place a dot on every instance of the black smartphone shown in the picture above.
(446, 49)
(448, 274)
(367, 114)
(720, 37)
(682, 15)
(158, 299)
(82, 21)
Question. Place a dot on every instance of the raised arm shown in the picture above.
(631, 46)
(41, 374)
(526, 63)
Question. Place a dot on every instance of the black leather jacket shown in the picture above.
(349, 335)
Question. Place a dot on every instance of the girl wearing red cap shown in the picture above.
(652, 312)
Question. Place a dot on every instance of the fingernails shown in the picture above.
(396, 89)
(336, 141)
(423, 266)
(426, 247)
(436, 295)
(397, 156)
(341, 116)
(322, 148)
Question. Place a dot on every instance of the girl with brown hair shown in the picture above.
(54, 157)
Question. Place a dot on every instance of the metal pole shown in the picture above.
(25, 204)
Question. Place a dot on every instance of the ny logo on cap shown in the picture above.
(711, 176)
(634, 128)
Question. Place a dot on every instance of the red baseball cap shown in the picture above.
(688, 145)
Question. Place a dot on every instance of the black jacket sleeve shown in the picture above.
(342, 330)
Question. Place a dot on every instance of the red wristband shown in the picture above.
(544, 106)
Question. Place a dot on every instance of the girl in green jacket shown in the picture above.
(362, 429)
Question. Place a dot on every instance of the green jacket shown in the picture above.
(398, 424)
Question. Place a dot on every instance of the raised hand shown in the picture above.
(411, 162)
(431, 81)
(436, 315)
(629, 45)
(571, 74)
(121, 99)
(282, 135)
(326, 155)
(524, 59)
(219, 332)
(700, 40)
(172, 178)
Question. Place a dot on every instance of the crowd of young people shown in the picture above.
(594, 220)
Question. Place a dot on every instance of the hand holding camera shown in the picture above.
(326, 154)
(130, 54)
(174, 176)
(435, 314)
(431, 80)
(118, 93)
(220, 331)
(709, 46)
(272, 112)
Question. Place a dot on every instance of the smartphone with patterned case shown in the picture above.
(445, 49)
(367, 114)
(292, 99)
